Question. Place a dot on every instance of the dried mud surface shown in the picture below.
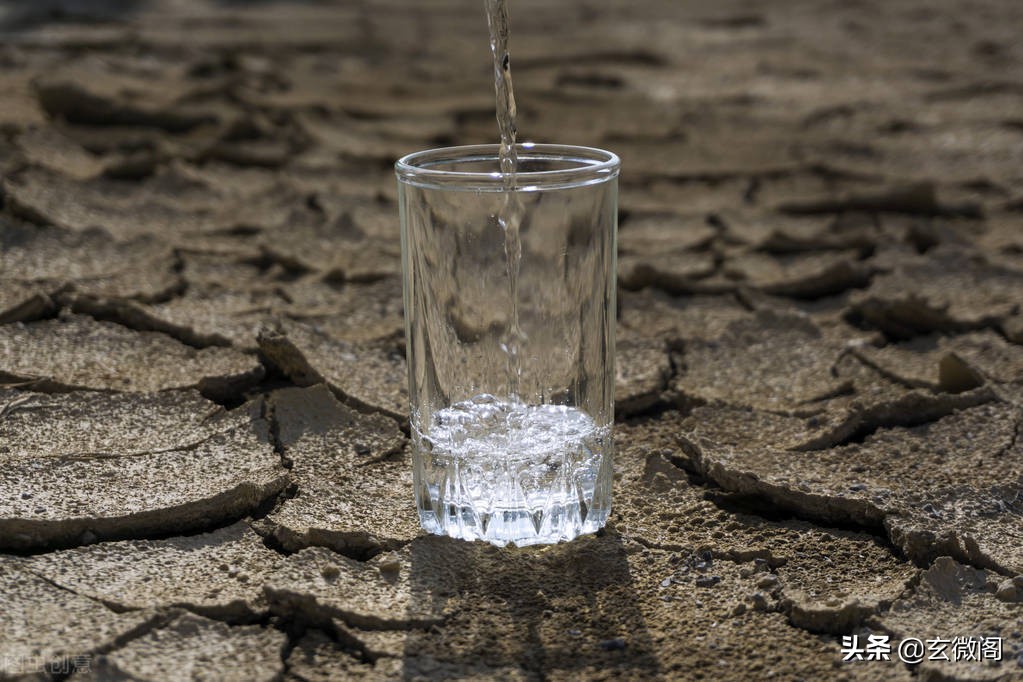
(204, 466)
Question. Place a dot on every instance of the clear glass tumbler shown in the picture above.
(510, 321)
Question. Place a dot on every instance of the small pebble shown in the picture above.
(389, 563)
(616, 644)
(330, 571)
(1007, 591)
(767, 582)
(707, 580)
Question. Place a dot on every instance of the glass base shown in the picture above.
(519, 527)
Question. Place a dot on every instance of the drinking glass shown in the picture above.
(509, 293)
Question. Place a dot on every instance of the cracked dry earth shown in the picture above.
(205, 471)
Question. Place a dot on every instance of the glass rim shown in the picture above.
(591, 166)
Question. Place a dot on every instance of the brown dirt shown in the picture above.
(202, 397)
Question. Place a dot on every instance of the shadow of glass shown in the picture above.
(522, 613)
